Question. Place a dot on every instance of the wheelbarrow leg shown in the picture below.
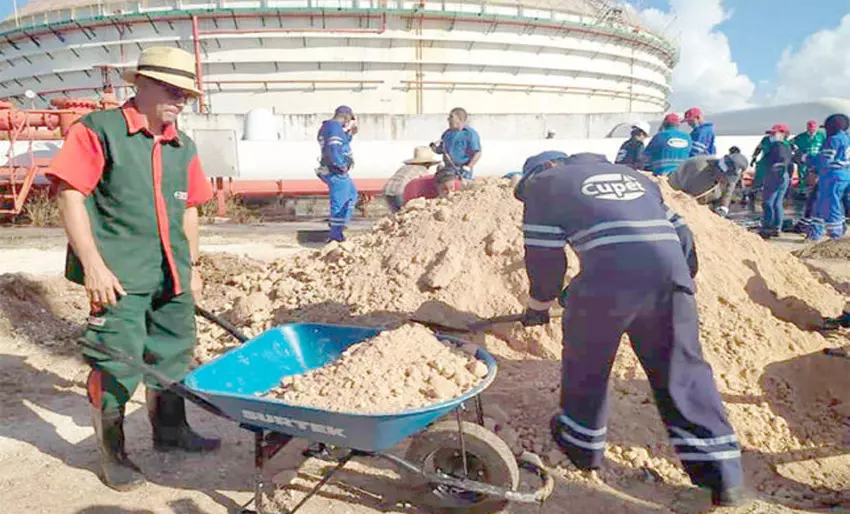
(266, 446)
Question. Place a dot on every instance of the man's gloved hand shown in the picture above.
(532, 317)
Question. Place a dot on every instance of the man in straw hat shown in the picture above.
(402, 184)
(129, 184)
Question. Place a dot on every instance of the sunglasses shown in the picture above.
(173, 92)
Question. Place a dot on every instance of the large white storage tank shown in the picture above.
(382, 56)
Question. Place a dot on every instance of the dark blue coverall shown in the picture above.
(777, 178)
(637, 263)
(335, 162)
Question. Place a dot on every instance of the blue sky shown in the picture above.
(759, 30)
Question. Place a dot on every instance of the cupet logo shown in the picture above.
(612, 186)
(677, 142)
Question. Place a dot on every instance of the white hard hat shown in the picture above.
(643, 125)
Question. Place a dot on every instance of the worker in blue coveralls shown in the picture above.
(668, 149)
(637, 260)
(702, 133)
(832, 166)
(631, 152)
(460, 147)
(777, 177)
(335, 163)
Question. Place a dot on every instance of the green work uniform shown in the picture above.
(809, 145)
(761, 165)
(137, 224)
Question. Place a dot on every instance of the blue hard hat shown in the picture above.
(536, 162)
(344, 109)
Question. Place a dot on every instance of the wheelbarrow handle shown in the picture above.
(227, 326)
(140, 367)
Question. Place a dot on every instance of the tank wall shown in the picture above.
(427, 127)
(300, 58)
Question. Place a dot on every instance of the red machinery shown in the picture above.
(18, 127)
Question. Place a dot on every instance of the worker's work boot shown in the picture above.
(171, 431)
(732, 497)
(118, 471)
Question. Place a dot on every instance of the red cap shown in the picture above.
(812, 124)
(693, 112)
(672, 119)
(780, 127)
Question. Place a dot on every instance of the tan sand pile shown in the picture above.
(398, 369)
(460, 259)
(828, 249)
(48, 311)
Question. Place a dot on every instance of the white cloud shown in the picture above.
(705, 76)
(820, 68)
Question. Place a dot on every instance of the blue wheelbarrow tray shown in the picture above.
(236, 381)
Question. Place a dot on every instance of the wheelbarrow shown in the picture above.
(450, 465)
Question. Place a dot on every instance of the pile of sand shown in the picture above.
(44, 311)
(827, 249)
(399, 369)
(460, 259)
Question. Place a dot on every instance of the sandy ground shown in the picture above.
(48, 456)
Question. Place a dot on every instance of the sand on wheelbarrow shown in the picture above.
(399, 369)
(460, 259)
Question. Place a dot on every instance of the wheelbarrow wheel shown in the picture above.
(437, 450)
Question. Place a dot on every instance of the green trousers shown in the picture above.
(154, 328)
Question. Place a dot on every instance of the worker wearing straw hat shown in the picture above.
(405, 182)
(129, 184)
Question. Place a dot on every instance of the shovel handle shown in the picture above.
(140, 367)
(227, 326)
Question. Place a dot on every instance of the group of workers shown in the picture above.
(459, 145)
(821, 159)
(129, 184)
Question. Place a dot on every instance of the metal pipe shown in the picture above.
(199, 72)
(566, 89)
(294, 81)
(272, 30)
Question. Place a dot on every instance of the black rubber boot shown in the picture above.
(167, 414)
(117, 471)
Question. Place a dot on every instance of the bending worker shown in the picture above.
(711, 180)
(637, 263)
(832, 166)
(668, 149)
(413, 180)
(702, 133)
(777, 177)
(129, 184)
(631, 152)
(335, 163)
(460, 147)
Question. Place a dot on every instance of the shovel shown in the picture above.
(476, 326)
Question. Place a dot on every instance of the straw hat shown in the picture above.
(423, 155)
(165, 64)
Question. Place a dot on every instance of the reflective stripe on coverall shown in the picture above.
(833, 168)
(637, 262)
(335, 163)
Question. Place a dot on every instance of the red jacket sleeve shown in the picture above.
(199, 190)
(80, 161)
